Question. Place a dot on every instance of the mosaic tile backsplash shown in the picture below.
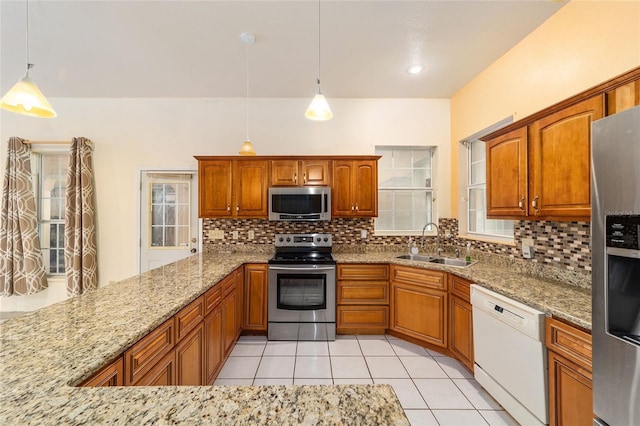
(564, 245)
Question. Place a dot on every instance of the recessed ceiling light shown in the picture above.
(415, 69)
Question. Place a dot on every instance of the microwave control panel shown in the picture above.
(622, 231)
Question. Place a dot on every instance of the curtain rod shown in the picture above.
(54, 143)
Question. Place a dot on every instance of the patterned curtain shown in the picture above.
(80, 254)
(21, 266)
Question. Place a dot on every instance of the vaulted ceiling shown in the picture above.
(192, 49)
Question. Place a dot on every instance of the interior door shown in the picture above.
(168, 217)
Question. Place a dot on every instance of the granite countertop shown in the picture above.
(46, 353)
(549, 293)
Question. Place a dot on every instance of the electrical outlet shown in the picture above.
(234, 235)
(363, 234)
(251, 235)
(216, 234)
(528, 248)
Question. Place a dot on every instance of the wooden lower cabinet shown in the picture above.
(570, 374)
(255, 297)
(213, 351)
(163, 373)
(362, 299)
(189, 358)
(238, 276)
(148, 351)
(461, 331)
(229, 332)
(419, 304)
(111, 375)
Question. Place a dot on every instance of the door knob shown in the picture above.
(193, 250)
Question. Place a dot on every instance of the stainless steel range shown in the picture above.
(302, 288)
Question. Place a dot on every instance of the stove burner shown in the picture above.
(303, 248)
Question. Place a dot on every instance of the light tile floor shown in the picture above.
(433, 389)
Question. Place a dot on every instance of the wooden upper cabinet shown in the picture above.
(214, 188)
(232, 188)
(623, 97)
(250, 188)
(507, 176)
(559, 165)
(300, 173)
(355, 188)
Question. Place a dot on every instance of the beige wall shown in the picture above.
(130, 134)
(582, 45)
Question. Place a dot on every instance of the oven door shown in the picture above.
(302, 293)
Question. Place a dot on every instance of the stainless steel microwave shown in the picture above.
(297, 203)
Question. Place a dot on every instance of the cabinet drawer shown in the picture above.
(189, 317)
(142, 356)
(212, 298)
(422, 277)
(111, 375)
(363, 316)
(363, 292)
(460, 287)
(371, 272)
(228, 284)
(570, 342)
(163, 373)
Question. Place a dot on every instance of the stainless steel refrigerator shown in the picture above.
(615, 229)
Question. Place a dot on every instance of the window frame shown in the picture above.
(466, 186)
(432, 149)
(37, 153)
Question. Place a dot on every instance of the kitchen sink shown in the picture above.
(449, 261)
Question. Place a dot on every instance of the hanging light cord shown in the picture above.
(29, 64)
(247, 71)
(318, 46)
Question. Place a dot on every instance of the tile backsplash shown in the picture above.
(564, 245)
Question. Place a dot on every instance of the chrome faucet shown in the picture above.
(438, 249)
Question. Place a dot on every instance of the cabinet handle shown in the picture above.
(228, 208)
(521, 204)
(295, 178)
(304, 178)
(237, 207)
(534, 203)
(357, 207)
(352, 207)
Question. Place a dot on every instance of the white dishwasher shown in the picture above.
(510, 355)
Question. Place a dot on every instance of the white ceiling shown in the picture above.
(191, 49)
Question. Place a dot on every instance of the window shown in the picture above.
(169, 210)
(478, 224)
(405, 189)
(51, 182)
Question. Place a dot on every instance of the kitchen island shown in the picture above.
(45, 354)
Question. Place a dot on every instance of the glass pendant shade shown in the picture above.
(247, 148)
(25, 98)
(319, 109)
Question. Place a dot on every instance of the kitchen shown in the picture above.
(116, 123)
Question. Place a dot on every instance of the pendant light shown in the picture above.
(25, 97)
(247, 146)
(319, 108)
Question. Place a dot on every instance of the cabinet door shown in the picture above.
(228, 323)
(461, 327)
(213, 353)
(251, 188)
(363, 293)
(342, 204)
(560, 163)
(365, 188)
(623, 97)
(111, 375)
(189, 353)
(214, 188)
(255, 297)
(285, 173)
(570, 393)
(507, 177)
(315, 173)
(163, 373)
(419, 312)
(238, 276)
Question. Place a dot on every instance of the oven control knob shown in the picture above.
(281, 239)
(326, 239)
(288, 239)
(318, 239)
